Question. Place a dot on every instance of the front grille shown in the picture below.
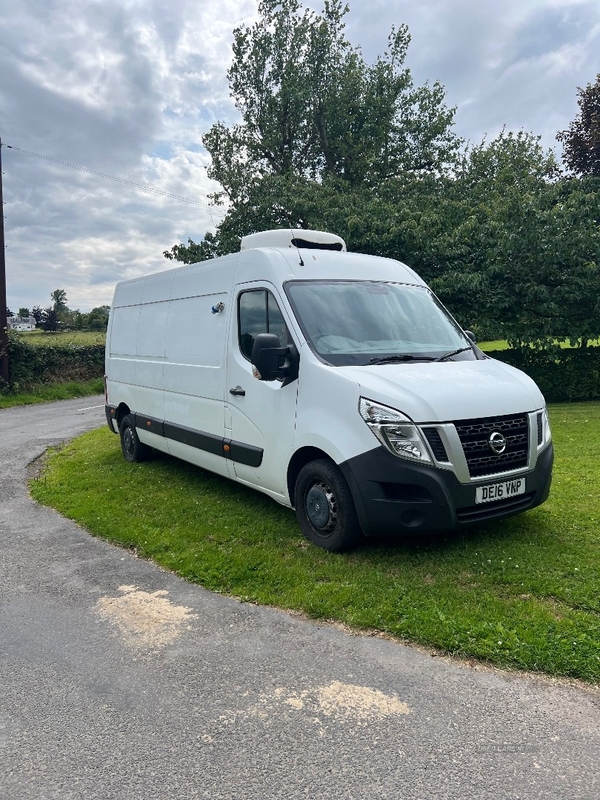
(474, 436)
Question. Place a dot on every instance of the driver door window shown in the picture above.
(258, 312)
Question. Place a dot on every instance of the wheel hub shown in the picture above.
(321, 507)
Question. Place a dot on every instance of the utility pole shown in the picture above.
(3, 319)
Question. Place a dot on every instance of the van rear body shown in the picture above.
(334, 382)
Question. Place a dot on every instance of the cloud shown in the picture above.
(515, 63)
(122, 88)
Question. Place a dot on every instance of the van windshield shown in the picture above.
(373, 322)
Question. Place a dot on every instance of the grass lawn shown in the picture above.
(502, 344)
(488, 347)
(61, 338)
(522, 593)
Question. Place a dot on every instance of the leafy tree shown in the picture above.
(50, 320)
(312, 108)
(60, 299)
(518, 251)
(546, 270)
(318, 125)
(582, 138)
(37, 313)
(76, 319)
(97, 319)
(190, 254)
(59, 296)
(23, 312)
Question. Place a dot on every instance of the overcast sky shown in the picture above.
(128, 87)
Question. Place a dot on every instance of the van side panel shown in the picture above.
(166, 358)
(121, 344)
(137, 347)
(150, 349)
(129, 293)
(194, 378)
(195, 345)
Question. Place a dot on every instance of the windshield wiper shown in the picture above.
(399, 359)
(453, 353)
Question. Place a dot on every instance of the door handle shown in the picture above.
(238, 391)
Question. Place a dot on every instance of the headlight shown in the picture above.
(547, 434)
(396, 432)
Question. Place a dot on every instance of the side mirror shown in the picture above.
(269, 358)
(471, 336)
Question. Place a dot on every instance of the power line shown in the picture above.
(124, 181)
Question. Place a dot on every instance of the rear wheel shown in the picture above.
(131, 447)
(325, 508)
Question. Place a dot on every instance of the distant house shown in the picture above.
(21, 324)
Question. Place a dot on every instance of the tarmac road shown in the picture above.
(119, 680)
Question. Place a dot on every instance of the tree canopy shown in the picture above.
(317, 123)
(311, 107)
(59, 315)
(59, 296)
(581, 141)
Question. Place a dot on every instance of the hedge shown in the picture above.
(30, 366)
(567, 375)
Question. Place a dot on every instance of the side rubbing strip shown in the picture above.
(245, 454)
(219, 446)
(201, 441)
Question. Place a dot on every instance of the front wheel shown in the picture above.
(325, 508)
(131, 447)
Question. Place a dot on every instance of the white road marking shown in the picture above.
(89, 408)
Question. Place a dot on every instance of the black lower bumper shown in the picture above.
(395, 497)
(111, 417)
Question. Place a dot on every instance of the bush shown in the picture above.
(31, 366)
(566, 375)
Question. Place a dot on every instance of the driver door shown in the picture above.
(260, 416)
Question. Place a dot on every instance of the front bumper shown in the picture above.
(394, 497)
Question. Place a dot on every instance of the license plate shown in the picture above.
(499, 491)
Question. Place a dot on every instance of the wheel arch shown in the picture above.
(310, 453)
(298, 460)
(122, 411)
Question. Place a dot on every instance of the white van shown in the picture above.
(334, 382)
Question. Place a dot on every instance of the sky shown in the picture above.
(127, 88)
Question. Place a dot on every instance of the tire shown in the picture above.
(131, 447)
(325, 508)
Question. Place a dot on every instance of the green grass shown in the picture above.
(54, 391)
(523, 593)
(498, 344)
(501, 344)
(43, 339)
